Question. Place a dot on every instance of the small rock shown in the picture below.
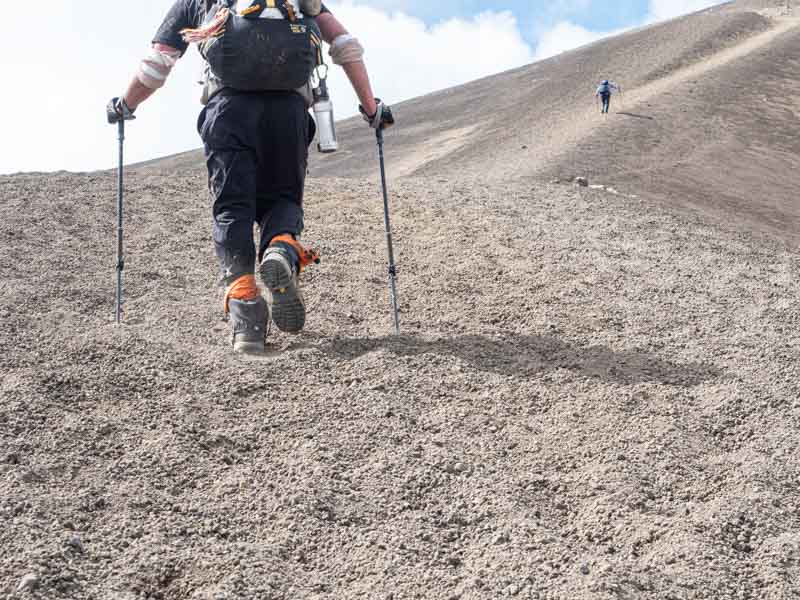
(585, 569)
(28, 582)
(501, 538)
(582, 181)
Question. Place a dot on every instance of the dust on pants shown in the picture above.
(256, 148)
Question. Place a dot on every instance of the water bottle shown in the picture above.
(323, 111)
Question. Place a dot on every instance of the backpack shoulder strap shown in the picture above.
(286, 8)
(258, 6)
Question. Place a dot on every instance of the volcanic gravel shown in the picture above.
(592, 397)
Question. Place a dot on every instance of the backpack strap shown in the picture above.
(316, 43)
(286, 8)
(258, 6)
(254, 10)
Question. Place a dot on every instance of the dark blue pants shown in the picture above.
(256, 147)
(606, 98)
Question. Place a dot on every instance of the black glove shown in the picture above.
(117, 111)
(382, 119)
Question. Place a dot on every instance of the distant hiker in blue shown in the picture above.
(604, 91)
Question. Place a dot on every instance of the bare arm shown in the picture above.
(136, 93)
(356, 71)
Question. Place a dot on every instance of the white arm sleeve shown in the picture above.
(156, 66)
(346, 49)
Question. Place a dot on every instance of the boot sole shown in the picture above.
(287, 307)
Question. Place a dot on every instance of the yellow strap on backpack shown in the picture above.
(251, 10)
(317, 44)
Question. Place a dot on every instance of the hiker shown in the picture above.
(604, 91)
(256, 129)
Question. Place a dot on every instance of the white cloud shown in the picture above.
(565, 35)
(667, 9)
(53, 105)
(406, 58)
(58, 123)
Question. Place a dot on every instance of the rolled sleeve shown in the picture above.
(183, 14)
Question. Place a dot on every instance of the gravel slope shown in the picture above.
(595, 394)
(591, 398)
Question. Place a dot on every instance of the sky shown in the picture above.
(57, 83)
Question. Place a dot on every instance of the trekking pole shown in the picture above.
(120, 260)
(392, 267)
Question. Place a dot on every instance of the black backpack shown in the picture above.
(255, 54)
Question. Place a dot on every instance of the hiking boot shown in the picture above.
(279, 274)
(280, 267)
(249, 324)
